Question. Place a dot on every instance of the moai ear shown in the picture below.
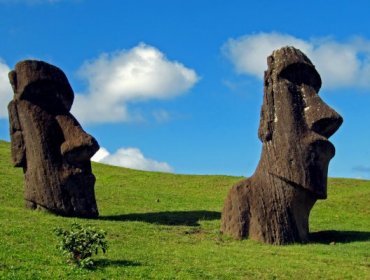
(18, 148)
(266, 128)
(13, 80)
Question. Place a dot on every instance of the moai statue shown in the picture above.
(49, 143)
(274, 204)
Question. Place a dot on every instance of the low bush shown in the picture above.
(80, 243)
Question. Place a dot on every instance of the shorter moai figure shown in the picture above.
(49, 143)
(274, 204)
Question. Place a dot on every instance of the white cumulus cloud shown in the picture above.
(6, 92)
(100, 154)
(340, 64)
(138, 74)
(131, 158)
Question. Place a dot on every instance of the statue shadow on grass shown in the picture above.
(100, 263)
(330, 236)
(175, 218)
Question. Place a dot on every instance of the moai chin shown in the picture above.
(49, 143)
(274, 204)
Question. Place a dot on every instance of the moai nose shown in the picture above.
(78, 146)
(321, 118)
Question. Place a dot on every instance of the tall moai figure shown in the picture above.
(274, 204)
(49, 143)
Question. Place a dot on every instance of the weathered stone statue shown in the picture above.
(274, 204)
(49, 143)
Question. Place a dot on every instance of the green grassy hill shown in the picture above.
(166, 226)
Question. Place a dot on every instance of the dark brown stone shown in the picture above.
(49, 143)
(274, 204)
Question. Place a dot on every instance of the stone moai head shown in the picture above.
(296, 123)
(49, 143)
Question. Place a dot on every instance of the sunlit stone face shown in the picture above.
(296, 123)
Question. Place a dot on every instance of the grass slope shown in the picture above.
(166, 226)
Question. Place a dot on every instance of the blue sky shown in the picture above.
(176, 85)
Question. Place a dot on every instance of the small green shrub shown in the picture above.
(80, 243)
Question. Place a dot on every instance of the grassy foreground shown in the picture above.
(166, 226)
